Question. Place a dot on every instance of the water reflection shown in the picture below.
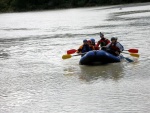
(108, 71)
(85, 73)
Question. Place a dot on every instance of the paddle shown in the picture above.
(132, 54)
(72, 51)
(69, 56)
(132, 50)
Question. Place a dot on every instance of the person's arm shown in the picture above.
(80, 49)
(98, 43)
(93, 48)
(108, 41)
(108, 45)
(120, 47)
(105, 47)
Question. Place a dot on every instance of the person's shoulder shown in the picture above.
(118, 43)
(81, 46)
(100, 40)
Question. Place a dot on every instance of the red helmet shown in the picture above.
(89, 41)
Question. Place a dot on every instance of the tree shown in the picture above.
(19, 4)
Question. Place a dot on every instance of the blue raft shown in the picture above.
(99, 57)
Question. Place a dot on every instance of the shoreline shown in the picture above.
(60, 8)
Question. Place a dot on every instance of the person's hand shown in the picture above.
(117, 52)
(103, 48)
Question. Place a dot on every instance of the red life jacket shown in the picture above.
(113, 47)
(103, 42)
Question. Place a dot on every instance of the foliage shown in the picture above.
(25, 5)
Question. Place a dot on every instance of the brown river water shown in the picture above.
(35, 79)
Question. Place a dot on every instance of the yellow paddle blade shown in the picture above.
(66, 56)
(134, 54)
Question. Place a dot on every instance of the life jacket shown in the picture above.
(92, 47)
(113, 47)
(84, 48)
(103, 42)
(95, 46)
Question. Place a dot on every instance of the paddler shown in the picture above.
(84, 47)
(114, 47)
(103, 41)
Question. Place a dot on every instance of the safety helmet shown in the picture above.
(92, 40)
(113, 38)
(84, 40)
(89, 41)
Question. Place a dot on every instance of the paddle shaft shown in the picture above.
(128, 59)
(78, 54)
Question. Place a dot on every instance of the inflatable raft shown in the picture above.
(99, 57)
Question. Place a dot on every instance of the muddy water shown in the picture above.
(34, 78)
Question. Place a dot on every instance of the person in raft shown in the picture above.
(103, 41)
(94, 44)
(91, 45)
(114, 47)
(84, 47)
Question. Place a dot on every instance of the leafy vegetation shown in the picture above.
(25, 5)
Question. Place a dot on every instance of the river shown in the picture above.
(35, 79)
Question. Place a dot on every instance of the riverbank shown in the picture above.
(23, 6)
